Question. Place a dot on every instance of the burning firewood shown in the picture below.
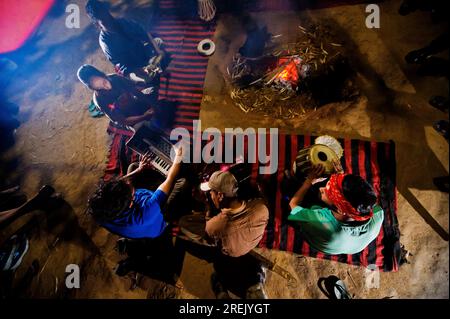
(280, 78)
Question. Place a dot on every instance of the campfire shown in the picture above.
(291, 69)
(278, 83)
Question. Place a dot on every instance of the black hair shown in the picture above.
(110, 200)
(359, 193)
(97, 10)
(247, 189)
(86, 72)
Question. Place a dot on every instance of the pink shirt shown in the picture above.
(240, 230)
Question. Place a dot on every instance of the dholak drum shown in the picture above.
(314, 155)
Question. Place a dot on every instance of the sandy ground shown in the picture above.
(60, 144)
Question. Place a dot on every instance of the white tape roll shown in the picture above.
(206, 47)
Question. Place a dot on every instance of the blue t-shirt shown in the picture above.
(144, 219)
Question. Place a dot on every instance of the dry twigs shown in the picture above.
(262, 90)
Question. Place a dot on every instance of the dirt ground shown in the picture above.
(60, 144)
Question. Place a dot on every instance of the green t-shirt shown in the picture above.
(326, 234)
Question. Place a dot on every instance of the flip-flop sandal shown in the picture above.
(439, 102)
(94, 111)
(333, 288)
(442, 128)
(14, 255)
(340, 290)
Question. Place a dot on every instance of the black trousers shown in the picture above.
(236, 274)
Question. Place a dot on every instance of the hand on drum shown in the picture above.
(315, 173)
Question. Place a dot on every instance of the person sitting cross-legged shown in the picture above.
(124, 42)
(348, 223)
(122, 101)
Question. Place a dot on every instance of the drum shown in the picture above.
(314, 155)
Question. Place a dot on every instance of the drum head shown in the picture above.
(322, 154)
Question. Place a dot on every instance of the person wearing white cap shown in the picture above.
(236, 230)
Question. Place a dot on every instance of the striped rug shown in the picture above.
(283, 5)
(182, 82)
(184, 78)
(372, 161)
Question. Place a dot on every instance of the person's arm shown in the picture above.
(315, 172)
(144, 163)
(132, 87)
(212, 226)
(167, 185)
(132, 120)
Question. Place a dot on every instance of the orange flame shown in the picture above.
(289, 73)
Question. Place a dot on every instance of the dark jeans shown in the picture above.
(236, 274)
(153, 257)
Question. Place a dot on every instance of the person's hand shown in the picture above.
(145, 162)
(337, 166)
(148, 91)
(123, 69)
(178, 153)
(149, 113)
(315, 172)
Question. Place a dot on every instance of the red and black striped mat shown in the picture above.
(184, 78)
(372, 160)
(182, 82)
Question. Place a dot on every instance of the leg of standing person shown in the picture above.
(32, 204)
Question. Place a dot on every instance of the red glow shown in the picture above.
(290, 71)
(18, 20)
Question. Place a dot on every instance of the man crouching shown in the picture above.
(236, 230)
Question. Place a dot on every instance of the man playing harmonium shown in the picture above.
(124, 207)
(350, 219)
(122, 101)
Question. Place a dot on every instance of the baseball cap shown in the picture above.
(223, 182)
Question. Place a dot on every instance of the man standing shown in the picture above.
(236, 230)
